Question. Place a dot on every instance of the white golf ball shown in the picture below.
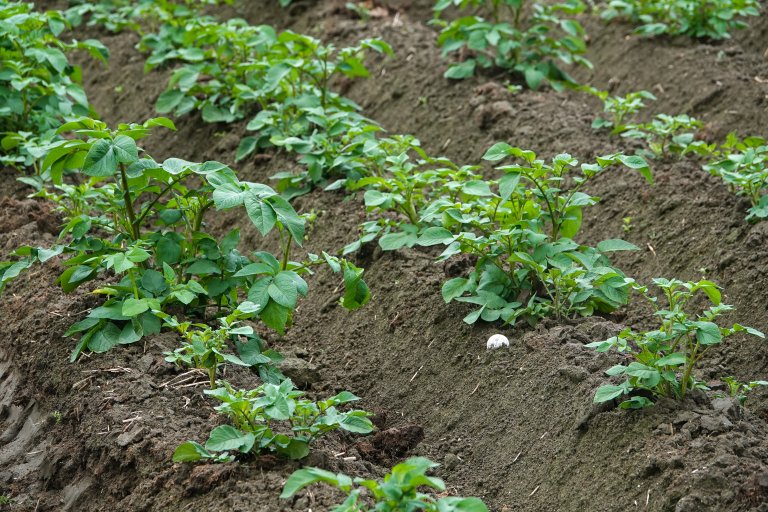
(497, 341)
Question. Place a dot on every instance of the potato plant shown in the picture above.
(667, 134)
(398, 491)
(208, 349)
(664, 360)
(272, 418)
(39, 87)
(618, 108)
(143, 16)
(285, 78)
(519, 230)
(707, 19)
(743, 166)
(664, 134)
(531, 40)
(142, 222)
(528, 264)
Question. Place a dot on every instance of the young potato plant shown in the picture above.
(706, 19)
(39, 87)
(664, 134)
(741, 390)
(519, 230)
(272, 418)
(743, 165)
(532, 40)
(397, 492)
(664, 360)
(141, 16)
(667, 134)
(286, 77)
(618, 108)
(142, 222)
(522, 235)
(208, 349)
(407, 187)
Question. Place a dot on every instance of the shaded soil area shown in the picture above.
(515, 426)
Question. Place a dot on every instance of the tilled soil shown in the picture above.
(515, 426)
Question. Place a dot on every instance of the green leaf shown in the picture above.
(125, 149)
(226, 437)
(454, 288)
(168, 100)
(508, 184)
(133, 307)
(356, 291)
(246, 147)
(283, 290)
(497, 152)
(153, 281)
(274, 315)
(608, 392)
(639, 164)
(394, 241)
(613, 245)
(435, 236)
(260, 212)
(675, 359)
(105, 338)
(203, 267)
(190, 452)
(357, 423)
(461, 71)
(708, 333)
(305, 477)
(458, 504)
(296, 449)
(288, 218)
(100, 160)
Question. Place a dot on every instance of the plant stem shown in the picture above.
(133, 228)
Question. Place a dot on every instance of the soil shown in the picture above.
(514, 426)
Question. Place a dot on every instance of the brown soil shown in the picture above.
(514, 426)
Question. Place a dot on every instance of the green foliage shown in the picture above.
(664, 359)
(399, 491)
(531, 40)
(743, 165)
(141, 15)
(741, 390)
(231, 70)
(272, 418)
(39, 87)
(528, 264)
(519, 229)
(143, 222)
(208, 349)
(711, 19)
(664, 134)
(618, 108)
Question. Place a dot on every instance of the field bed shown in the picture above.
(515, 427)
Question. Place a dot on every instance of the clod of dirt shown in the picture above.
(301, 372)
(389, 446)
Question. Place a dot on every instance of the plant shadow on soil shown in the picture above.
(514, 426)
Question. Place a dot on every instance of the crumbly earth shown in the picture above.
(515, 426)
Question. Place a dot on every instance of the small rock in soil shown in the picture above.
(715, 424)
(301, 372)
(130, 437)
(727, 406)
(450, 461)
(573, 373)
